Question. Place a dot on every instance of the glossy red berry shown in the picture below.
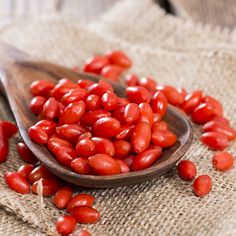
(223, 161)
(85, 148)
(164, 138)
(111, 72)
(36, 104)
(215, 140)
(38, 135)
(109, 101)
(95, 64)
(119, 58)
(62, 197)
(81, 199)
(131, 80)
(25, 170)
(85, 214)
(106, 127)
(81, 166)
(41, 88)
(138, 94)
(66, 225)
(49, 187)
(202, 185)
(146, 158)
(141, 136)
(103, 164)
(17, 182)
(187, 170)
(202, 114)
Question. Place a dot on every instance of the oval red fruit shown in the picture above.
(62, 197)
(223, 161)
(103, 164)
(202, 185)
(119, 58)
(187, 170)
(164, 138)
(202, 114)
(66, 225)
(106, 127)
(85, 214)
(159, 103)
(146, 158)
(215, 140)
(138, 94)
(141, 136)
(81, 199)
(17, 182)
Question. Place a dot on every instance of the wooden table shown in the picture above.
(215, 12)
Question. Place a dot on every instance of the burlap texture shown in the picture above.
(172, 51)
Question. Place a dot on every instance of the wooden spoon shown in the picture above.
(18, 70)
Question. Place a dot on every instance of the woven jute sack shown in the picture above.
(173, 52)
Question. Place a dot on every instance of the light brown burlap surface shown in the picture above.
(172, 51)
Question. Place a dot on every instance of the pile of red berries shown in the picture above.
(91, 130)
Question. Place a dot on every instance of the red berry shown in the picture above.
(215, 140)
(62, 197)
(217, 126)
(8, 128)
(223, 161)
(123, 166)
(36, 104)
(66, 225)
(191, 101)
(85, 148)
(17, 182)
(81, 199)
(164, 138)
(95, 64)
(38, 135)
(93, 102)
(51, 109)
(202, 114)
(159, 103)
(131, 80)
(25, 170)
(202, 185)
(122, 148)
(74, 95)
(81, 166)
(216, 105)
(187, 170)
(119, 58)
(72, 113)
(141, 136)
(49, 186)
(132, 113)
(146, 158)
(109, 101)
(106, 127)
(39, 172)
(111, 72)
(41, 88)
(148, 83)
(103, 164)
(103, 145)
(173, 95)
(138, 94)
(85, 214)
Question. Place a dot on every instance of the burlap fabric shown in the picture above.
(172, 51)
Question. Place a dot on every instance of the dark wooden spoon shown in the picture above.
(18, 70)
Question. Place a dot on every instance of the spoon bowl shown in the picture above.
(18, 71)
